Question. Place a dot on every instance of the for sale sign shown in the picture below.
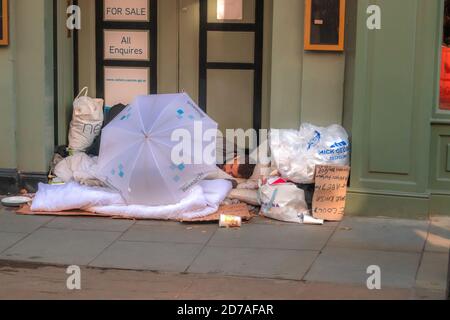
(129, 10)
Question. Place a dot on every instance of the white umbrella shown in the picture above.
(136, 153)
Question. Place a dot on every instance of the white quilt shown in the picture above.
(203, 200)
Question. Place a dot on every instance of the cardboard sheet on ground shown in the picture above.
(330, 192)
(239, 210)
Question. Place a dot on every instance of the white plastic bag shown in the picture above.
(283, 202)
(297, 153)
(80, 168)
(87, 121)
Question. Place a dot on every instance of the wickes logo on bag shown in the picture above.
(337, 151)
(339, 144)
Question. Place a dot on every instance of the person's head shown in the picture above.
(239, 168)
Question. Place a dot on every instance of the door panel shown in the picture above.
(232, 47)
(86, 55)
(395, 107)
(440, 158)
(168, 46)
(189, 30)
(392, 91)
(230, 98)
(440, 122)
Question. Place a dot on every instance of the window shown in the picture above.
(445, 63)
(229, 10)
(324, 25)
(4, 23)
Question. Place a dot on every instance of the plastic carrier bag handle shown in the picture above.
(85, 90)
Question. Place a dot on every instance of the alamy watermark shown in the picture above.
(74, 280)
(211, 146)
(74, 17)
(374, 280)
(373, 20)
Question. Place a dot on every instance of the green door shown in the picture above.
(390, 93)
(440, 121)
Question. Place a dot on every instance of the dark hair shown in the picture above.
(246, 169)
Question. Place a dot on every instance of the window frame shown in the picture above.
(4, 40)
(439, 114)
(324, 47)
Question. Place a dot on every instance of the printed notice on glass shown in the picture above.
(123, 84)
(127, 45)
(129, 10)
(230, 10)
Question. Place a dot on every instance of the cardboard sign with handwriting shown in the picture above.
(330, 193)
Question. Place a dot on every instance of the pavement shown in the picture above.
(264, 259)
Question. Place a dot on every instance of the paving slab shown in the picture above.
(268, 263)
(427, 294)
(14, 223)
(171, 233)
(46, 282)
(433, 271)
(381, 234)
(349, 266)
(90, 224)
(9, 239)
(273, 237)
(61, 246)
(152, 256)
(225, 288)
(441, 220)
(157, 223)
(50, 283)
(439, 235)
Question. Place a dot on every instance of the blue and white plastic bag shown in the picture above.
(283, 202)
(296, 153)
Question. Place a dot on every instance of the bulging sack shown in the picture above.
(283, 202)
(87, 122)
(297, 153)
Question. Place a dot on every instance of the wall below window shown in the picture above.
(86, 47)
(306, 86)
(323, 88)
(7, 103)
(27, 88)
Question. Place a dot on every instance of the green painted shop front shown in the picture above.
(400, 135)
(384, 89)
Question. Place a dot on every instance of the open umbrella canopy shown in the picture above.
(153, 151)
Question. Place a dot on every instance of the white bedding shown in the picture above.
(203, 200)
